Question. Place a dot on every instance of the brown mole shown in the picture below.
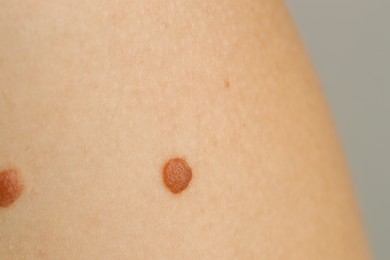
(177, 174)
(10, 187)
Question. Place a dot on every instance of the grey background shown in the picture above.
(349, 44)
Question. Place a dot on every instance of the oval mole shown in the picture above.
(177, 174)
(10, 187)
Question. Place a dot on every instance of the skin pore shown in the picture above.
(95, 96)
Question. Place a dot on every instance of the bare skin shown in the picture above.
(96, 96)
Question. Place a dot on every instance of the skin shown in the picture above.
(95, 97)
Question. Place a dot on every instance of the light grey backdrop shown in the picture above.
(349, 43)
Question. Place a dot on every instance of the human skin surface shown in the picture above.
(95, 96)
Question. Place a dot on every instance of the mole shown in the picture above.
(177, 174)
(10, 187)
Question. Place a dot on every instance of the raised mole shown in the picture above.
(11, 187)
(177, 174)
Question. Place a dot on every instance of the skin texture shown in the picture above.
(177, 174)
(10, 187)
(95, 96)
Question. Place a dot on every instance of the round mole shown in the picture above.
(177, 174)
(10, 187)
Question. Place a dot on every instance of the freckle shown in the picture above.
(177, 174)
(10, 187)
(227, 83)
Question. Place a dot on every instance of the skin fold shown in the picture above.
(95, 96)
